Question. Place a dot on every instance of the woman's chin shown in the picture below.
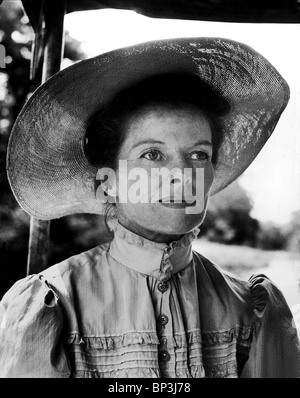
(160, 219)
(176, 222)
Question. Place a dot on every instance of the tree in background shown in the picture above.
(16, 36)
(229, 221)
(293, 233)
(228, 217)
(272, 237)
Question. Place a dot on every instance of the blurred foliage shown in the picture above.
(293, 233)
(272, 237)
(229, 221)
(228, 218)
(69, 236)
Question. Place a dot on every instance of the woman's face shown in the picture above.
(161, 139)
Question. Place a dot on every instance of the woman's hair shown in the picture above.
(106, 128)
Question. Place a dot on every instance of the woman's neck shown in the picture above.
(147, 234)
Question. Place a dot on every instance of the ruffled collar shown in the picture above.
(159, 260)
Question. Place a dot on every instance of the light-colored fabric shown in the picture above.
(97, 315)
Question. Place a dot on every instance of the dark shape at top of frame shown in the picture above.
(248, 11)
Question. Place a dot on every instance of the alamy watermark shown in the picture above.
(181, 189)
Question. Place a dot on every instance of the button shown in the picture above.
(164, 356)
(164, 341)
(164, 319)
(162, 286)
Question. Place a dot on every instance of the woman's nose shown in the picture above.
(183, 170)
(176, 180)
(178, 162)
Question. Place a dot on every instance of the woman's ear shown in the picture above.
(109, 187)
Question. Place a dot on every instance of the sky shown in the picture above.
(273, 179)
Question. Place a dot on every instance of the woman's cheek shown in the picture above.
(203, 180)
(209, 176)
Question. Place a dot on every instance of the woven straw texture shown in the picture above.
(46, 166)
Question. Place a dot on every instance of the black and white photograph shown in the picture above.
(149, 191)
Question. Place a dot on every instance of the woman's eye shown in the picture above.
(152, 155)
(200, 155)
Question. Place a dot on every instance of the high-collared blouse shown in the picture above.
(135, 308)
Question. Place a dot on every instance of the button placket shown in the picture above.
(165, 328)
(164, 323)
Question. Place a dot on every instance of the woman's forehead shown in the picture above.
(167, 125)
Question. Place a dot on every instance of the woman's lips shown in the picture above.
(169, 202)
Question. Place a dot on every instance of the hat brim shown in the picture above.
(47, 169)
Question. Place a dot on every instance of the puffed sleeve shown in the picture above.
(30, 331)
(275, 351)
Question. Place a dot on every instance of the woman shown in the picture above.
(195, 113)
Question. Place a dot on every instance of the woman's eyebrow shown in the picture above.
(203, 142)
(148, 141)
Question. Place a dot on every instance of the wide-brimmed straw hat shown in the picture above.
(47, 169)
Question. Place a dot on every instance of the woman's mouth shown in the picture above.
(176, 204)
